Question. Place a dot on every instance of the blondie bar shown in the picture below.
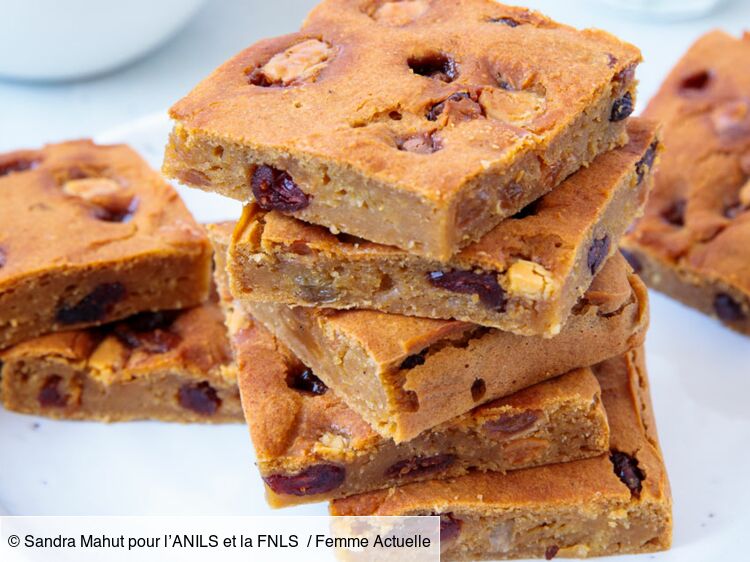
(613, 504)
(524, 276)
(463, 120)
(694, 241)
(90, 234)
(317, 448)
(170, 365)
(405, 375)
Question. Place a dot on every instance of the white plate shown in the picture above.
(700, 380)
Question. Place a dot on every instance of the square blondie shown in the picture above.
(474, 110)
(90, 234)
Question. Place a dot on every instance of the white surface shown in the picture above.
(699, 370)
(53, 40)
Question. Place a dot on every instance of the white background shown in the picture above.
(699, 370)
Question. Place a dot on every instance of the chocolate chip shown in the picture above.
(675, 215)
(632, 259)
(421, 143)
(437, 66)
(646, 162)
(275, 190)
(551, 552)
(50, 395)
(510, 22)
(512, 423)
(626, 469)
(485, 285)
(696, 81)
(478, 390)
(419, 466)
(450, 527)
(94, 307)
(17, 165)
(598, 252)
(317, 479)
(306, 381)
(728, 309)
(413, 360)
(622, 108)
(201, 398)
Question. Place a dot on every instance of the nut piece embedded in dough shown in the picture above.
(400, 13)
(529, 279)
(298, 63)
(103, 192)
(331, 444)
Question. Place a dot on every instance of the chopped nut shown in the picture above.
(103, 192)
(530, 279)
(298, 63)
(745, 194)
(400, 13)
(516, 107)
(333, 445)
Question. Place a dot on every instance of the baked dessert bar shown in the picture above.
(405, 375)
(90, 234)
(613, 504)
(311, 447)
(426, 145)
(524, 276)
(169, 365)
(694, 241)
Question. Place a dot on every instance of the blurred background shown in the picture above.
(185, 39)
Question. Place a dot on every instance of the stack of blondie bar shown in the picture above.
(427, 307)
(106, 308)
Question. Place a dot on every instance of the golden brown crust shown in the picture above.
(76, 217)
(694, 241)
(337, 130)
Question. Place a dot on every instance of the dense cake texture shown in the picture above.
(90, 234)
(524, 276)
(405, 375)
(694, 241)
(317, 448)
(427, 145)
(616, 503)
(168, 365)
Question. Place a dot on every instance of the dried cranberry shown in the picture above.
(734, 210)
(450, 527)
(646, 162)
(438, 66)
(317, 479)
(491, 294)
(201, 398)
(3, 258)
(17, 165)
(275, 190)
(156, 320)
(675, 215)
(551, 552)
(696, 81)
(154, 341)
(421, 143)
(419, 466)
(626, 469)
(632, 259)
(598, 252)
(93, 307)
(512, 423)
(510, 22)
(413, 360)
(306, 381)
(622, 108)
(459, 106)
(478, 390)
(728, 309)
(50, 395)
